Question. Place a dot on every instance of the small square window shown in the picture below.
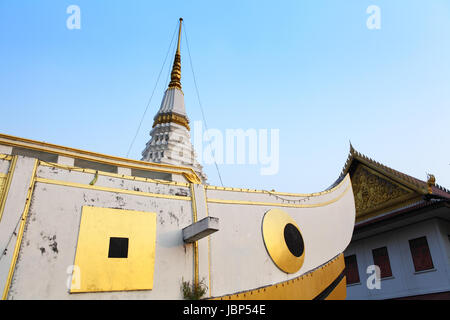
(118, 248)
(381, 259)
(351, 269)
(420, 253)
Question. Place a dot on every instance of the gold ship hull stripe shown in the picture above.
(325, 282)
(328, 290)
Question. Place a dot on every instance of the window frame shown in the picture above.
(384, 272)
(355, 269)
(418, 260)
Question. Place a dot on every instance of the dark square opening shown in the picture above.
(118, 248)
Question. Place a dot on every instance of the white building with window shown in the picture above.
(403, 227)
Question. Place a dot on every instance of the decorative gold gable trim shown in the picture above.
(375, 192)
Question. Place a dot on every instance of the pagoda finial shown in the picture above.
(175, 76)
(352, 150)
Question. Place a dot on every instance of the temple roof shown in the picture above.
(423, 187)
(380, 191)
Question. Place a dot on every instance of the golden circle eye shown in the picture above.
(283, 240)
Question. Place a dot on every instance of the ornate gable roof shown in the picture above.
(379, 189)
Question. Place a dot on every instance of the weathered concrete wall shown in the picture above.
(111, 181)
(239, 260)
(14, 206)
(444, 232)
(5, 149)
(4, 166)
(49, 242)
(230, 260)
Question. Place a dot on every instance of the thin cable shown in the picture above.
(169, 70)
(153, 92)
(14, 233)
(199, 101)
(286, 199)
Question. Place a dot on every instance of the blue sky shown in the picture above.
(311, 69)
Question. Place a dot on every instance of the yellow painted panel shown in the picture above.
(97, 272)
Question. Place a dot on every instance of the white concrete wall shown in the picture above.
(404, 281)
(443, 229)
(4, 166)
(5, 149)
(231, 260)
(12, 213)
(55, 215)
(239, 260)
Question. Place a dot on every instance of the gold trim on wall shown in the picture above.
(273, 204)
(209, 245)
(20, 232)
(5, 187)
(114, 190)
(5, 157)
(314, 194)
(195, 247)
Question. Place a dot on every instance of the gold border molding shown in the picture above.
(9, 176)
(13, 141)
(314, 194)
(113, 190)
(195, 247)
(287, 205)
(20, 232)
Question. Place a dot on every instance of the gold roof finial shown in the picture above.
(431, 182)
(175, 76)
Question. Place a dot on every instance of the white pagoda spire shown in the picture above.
(170, 141)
